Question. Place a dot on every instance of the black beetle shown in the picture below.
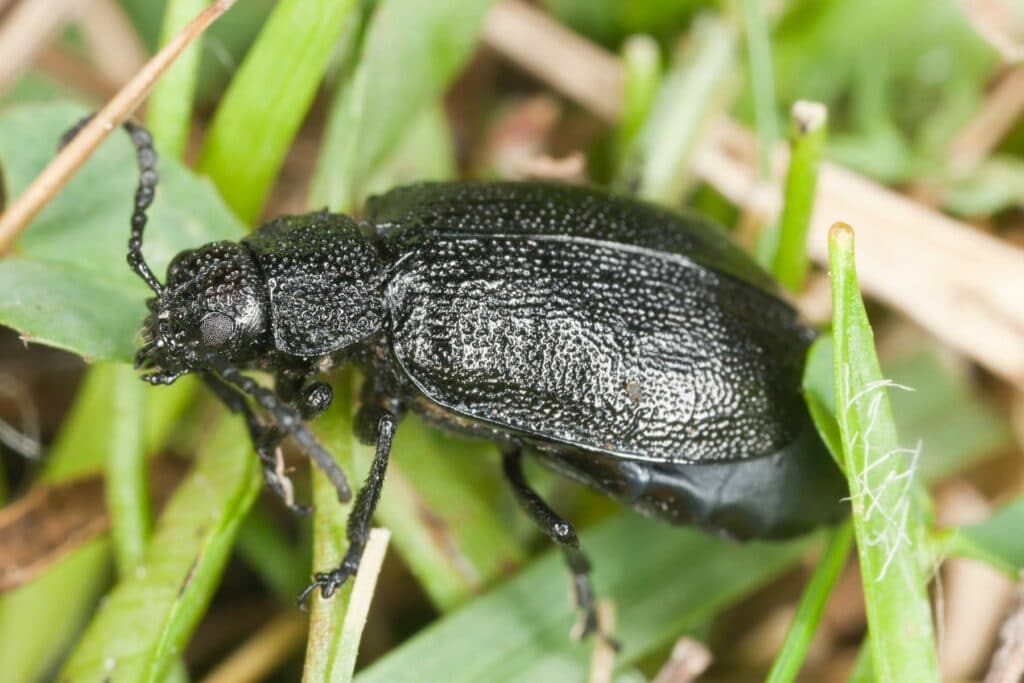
(631, 348)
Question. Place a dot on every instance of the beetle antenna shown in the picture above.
(146, 156)
(289, 420)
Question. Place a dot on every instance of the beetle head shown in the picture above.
(212, 305)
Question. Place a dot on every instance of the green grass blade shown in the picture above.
(696, 86)
(762, 83)
(663, 579)
(268, 98)
(812, 603)
(281, 565)
(787, 242)
(642, 73)
(169, 110)
(890, 540)
(411, 51)
(440, 502)
(327, 653)
(126, 491)
(145, 621)
(39, 620)
(995, 540)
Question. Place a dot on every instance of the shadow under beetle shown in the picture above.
(631, 348)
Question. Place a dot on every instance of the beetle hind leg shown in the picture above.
(561, 532)
(358, 529)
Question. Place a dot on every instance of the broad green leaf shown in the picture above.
(268, 99)
(820, 395)
(411, 51)
(144, 623)
(68, 284)
(890, 537)
(996, 540)
(664, 581)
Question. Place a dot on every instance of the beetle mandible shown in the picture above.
(634, 349)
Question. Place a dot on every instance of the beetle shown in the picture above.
(629, 347)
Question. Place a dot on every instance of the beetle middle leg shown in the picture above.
(561, 532)
(358, 529)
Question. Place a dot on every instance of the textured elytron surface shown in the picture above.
(406, 213)
(599, 344)
(323, 282)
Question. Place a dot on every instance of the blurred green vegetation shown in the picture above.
(375, 103)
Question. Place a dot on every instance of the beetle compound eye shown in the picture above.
(216, 329)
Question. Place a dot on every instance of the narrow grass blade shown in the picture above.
(762, 83)
(325, 650)
(642, 73)
(664, 581)
(411, 51)
(126, 490)
(169, 111)
(786, 249)
(145, 621)
(696, 86)
(890, 540)
(812, 603)
(268, 98)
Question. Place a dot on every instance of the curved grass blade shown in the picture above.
(145, 621)
(696, 86)
(890, 538)
(812, 603)
(126, 492)
(664, 581)
(268, 98)
(411, 51)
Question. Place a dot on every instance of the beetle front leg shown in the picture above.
(358, 530)
(561, 532)
(265, 441)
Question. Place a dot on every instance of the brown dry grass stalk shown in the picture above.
(61, 168)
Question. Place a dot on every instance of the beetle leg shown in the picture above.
(288, 421)
(265, 441)
(311, 400)
(561, 532)
(358, 530)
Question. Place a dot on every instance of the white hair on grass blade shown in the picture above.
(890, 497)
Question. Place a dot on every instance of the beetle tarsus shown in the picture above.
(561, 532)
(358, 530)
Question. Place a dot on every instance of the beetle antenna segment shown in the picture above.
(289, 421)
(146, 156)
